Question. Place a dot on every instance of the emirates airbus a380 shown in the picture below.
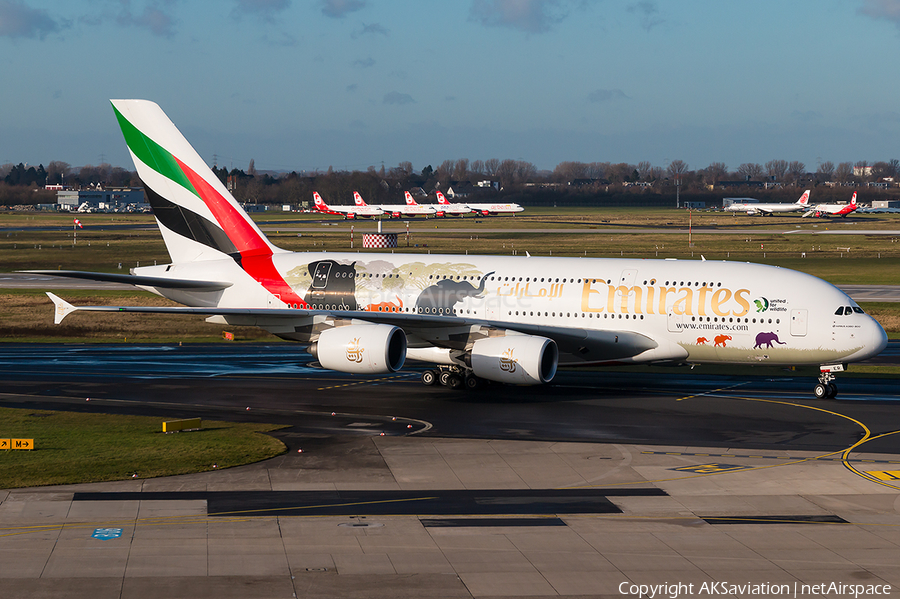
(498, 318)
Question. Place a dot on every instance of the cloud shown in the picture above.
(398, 98)
(530, 16)
(649, 13)
(352, 87)
(373, 29)
(20, 20)
(156, 18)
(599, 96)
(364, 63)
(338, 9)
(889, 10)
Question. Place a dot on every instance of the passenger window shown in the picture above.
(839, 311)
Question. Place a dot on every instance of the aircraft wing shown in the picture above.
(160, 282)
(580, 345)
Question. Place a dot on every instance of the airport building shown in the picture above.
(726, 202)
(112, 199)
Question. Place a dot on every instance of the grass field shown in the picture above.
(75, 448)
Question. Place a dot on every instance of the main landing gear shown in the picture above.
(453, 377)
(826, 388)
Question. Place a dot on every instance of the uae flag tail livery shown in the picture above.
(199, 219)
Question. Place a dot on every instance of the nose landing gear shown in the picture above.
(826, 388)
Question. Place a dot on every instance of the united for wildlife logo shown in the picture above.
(507, 361)
(762, 304)
(354, 351)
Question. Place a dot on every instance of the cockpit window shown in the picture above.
(839, 311)
(858, 310)
(848, 310)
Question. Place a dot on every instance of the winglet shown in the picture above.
(63, 308)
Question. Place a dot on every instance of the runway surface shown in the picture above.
(277, 383)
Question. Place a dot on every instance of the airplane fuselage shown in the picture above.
(688, 311)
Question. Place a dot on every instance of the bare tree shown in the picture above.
(714, 173)
(776, 169)
(525, 171)
(825, 171)
(251, 169)
(751, 171)
(843, 172)
(862, 170)
(567, 170)
(796, 170)
(491, 166)
(444, 172)
(506, 172)
(644, 168)
(406, 168)
(677, 168)
(461, 169)
(57, 171)
(477, 167)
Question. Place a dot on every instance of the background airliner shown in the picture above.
(499, 318)
(826, 210)
(410, 208)
(768, 209)
(363, 211)
(445, 207)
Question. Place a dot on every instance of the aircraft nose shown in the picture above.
(877, 339)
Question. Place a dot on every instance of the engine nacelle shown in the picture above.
(361, 348)
(516, 359)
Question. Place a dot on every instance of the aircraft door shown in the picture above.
(627, 277)
(674, 320)
(798, 323)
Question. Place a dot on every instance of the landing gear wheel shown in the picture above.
(444, 377)
(454, 381)
(821, 391)
(832, 390)
(429, 377)
(473, 382)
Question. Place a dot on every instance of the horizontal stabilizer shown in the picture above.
(159, 282)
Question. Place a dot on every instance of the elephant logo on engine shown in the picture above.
(507, 362)
(354, 351)
(441, 297)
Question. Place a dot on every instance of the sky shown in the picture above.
(307, 84)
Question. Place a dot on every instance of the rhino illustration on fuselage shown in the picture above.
(767, 339)
(441, 297)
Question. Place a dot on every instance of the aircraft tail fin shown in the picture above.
(320, 203)
(853, 199)
(410, 201)
(804, 199)
(441, 198)
(198, 217)
(358, 199)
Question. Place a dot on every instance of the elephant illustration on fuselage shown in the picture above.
(443, 296)
(767, 339)
(333, 285)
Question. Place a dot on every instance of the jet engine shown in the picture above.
(515, 359)
(361, 348)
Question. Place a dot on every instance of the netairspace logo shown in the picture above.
(676, 590)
